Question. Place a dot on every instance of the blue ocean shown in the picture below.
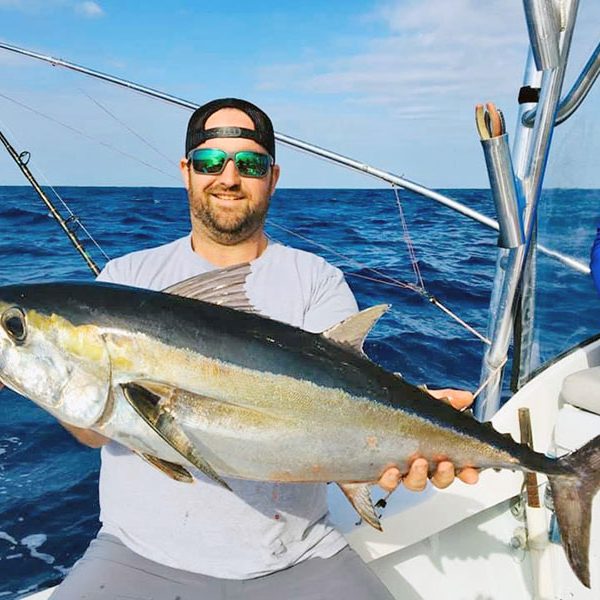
(48, 482)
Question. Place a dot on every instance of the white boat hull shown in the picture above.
(465, 542)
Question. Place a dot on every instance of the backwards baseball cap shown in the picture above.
(262, 133)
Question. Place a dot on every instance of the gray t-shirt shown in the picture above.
(262, 527)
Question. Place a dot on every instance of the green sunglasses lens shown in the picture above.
(252, 164)
(211, 161)
(208, 161)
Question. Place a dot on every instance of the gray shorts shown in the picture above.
(109, 570)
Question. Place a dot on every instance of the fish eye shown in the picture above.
(13, 322)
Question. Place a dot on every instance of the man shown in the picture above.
(165, 539)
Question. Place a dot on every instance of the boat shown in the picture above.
(498, 539)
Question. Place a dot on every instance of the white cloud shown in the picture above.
(435, 52)
(89, 9)
(409, 84)
(427, 52)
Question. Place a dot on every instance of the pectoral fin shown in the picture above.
(173, 470)
(226, 287)
(154, 409)
(359, 495)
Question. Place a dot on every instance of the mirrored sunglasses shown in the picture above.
(212, 161)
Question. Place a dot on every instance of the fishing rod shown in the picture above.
(22, 160)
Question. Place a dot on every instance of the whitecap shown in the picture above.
(8, 538)
(33, 542)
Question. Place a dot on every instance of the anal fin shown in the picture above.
(359, 495)
(171, 469)
(154, 409)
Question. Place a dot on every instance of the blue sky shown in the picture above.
(391, 83)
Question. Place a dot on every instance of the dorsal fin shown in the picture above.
(225, 287)
(353, 330)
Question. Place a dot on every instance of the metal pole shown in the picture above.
(537, 156)
(525, 309)
(576, 95)
(53, 211)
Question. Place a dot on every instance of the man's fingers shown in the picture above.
(390, 479)
(459, 399)
(416, 478)
(468, 475)
(444, 475)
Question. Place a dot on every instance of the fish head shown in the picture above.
(61, 366)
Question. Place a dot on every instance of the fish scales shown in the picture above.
(230, 393)
(331, 390)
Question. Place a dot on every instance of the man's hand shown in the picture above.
(416, 478)
(87, 437)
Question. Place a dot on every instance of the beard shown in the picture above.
(228, 225)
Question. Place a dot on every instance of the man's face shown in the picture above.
(229, 208)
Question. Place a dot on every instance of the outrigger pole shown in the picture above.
(350, 163)
(550, 34)
(64, 223)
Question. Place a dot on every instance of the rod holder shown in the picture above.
(543, 23)
(504, 191)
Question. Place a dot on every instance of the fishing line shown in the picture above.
(89, 137)
(419, 288)
(460, 321)
(408, 241)
(415, 266)
(124, 125)
(489, 378)
(388, 280)
(72, 216)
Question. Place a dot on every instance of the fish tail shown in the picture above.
(573, 492)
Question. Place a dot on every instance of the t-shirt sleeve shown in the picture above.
(117, 271)
(332, 301)
(595, 261)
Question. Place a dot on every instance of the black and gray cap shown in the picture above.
(262, 133)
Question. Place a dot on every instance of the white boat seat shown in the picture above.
(582, 389)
